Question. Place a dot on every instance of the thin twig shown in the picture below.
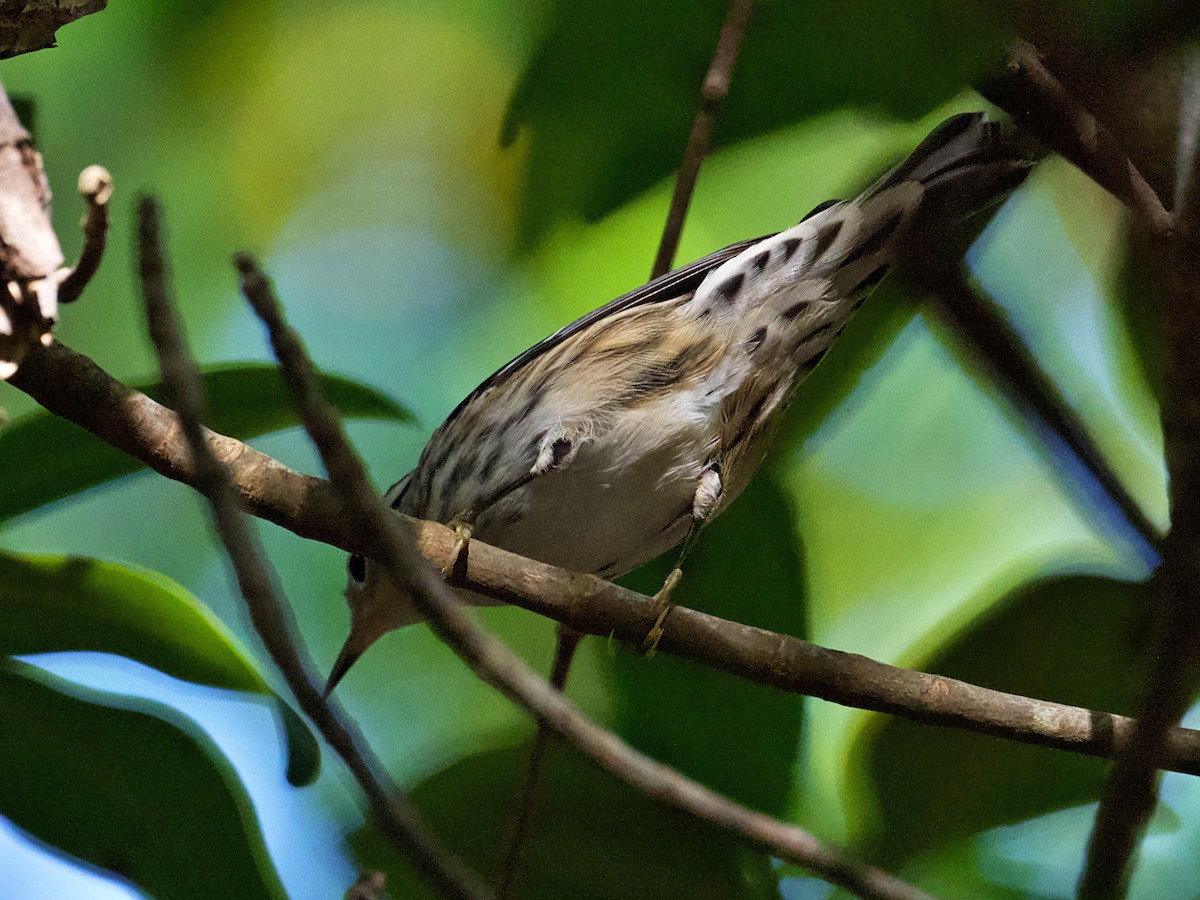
(1132, 789)
(272, 620)
(566, 643)
(714, 90)
(496, 664)
(1037, 101)
(96, 186)
(71, 385)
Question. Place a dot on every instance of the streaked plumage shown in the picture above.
(598, 448)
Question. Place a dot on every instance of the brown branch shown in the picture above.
(1132, 789)
(272, 619)
(496, 664)
(25, 27)
(30, 255)
(73, 386)
(96, 186)
(713, 91)
(1038, 102)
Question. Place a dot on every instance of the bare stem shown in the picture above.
(1132, 789)
(272, 620)
(496, 664)
(96, 186)
(714, 90)
(1039, 103)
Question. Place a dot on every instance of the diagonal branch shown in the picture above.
(714, 90)
(1132, 789)
(75, 387)
(497, 665)
(271, 618)
(72, 386)
(998, 346)
(1038, 102)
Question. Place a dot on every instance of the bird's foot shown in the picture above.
(662, 599)
(463, 531)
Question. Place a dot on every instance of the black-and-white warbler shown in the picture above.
(616, 438)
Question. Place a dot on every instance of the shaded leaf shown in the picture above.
(1068, 639)
(128, 792)
(56, 603)
(46, 458)
(617, 84)
(593, 836)
(737, 737)
(1138, 299)
(871, 331)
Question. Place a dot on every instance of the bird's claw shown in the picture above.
(461, 542)
(662, 599)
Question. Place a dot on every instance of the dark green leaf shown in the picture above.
(610, 93)
(934, 785)
(592, 837)
(47, 458)
(57, 603)
(617, 83)
(872, 330)
(746, 567)
(128, 792)
(1138, 293)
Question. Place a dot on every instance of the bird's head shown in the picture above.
(377, 606)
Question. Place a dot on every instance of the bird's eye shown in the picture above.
(357, 567)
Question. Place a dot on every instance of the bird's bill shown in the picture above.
(348, 657)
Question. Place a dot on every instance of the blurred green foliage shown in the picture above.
(52, 604)
(57, 458)
(131, 793)
(909, 514)
(647, 849)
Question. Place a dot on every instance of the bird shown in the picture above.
(618, 437)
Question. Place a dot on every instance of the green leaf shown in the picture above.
(146, 799)
(48, 458)
(1138, 300)
(592, 836)
(864, 342)
(746, 567)
(617, 84)
(56, 603)
(933, 786)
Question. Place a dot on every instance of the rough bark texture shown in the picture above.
(29, 251)
(27, 25)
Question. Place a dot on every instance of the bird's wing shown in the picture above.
(680, 281)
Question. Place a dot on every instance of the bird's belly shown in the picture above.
(606, 513)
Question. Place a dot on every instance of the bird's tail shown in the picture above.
(964, 165)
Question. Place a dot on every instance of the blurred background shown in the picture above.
(436, 186)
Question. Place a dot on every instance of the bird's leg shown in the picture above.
(464, 523)
(555, 452)
(463, 527)
(707, 496)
